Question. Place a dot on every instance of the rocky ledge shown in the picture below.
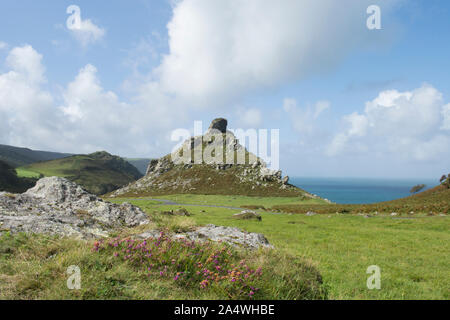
(58, 206)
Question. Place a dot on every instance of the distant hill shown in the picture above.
(17, 157)
(10, 182)
(209, 175)
(98, 173)
(431, 202)
(140, 163)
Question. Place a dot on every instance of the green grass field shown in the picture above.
(413, 253)
(324, 256)
(28, 173)
(234, 200)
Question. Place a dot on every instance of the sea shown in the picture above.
(360, 190)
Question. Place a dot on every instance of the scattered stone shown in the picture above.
(394, 214)
(310, 213)
(178, 212)
(233, 236)
(61, 207)
(247, 215)
(182, 212)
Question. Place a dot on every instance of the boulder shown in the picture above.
(182, 212)
(311, 213)
(247, 215)
(178, 212)
(61, 207)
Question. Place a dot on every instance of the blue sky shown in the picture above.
(348, 101)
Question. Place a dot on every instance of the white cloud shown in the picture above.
(406, 124)
(24, 105)
(250, 118)
(88, 118)
(3, 45)
(26, 63)
(320, 107)
(446, 115)
(85, 31)
(223, 49)
(304, 119)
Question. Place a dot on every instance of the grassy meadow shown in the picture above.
(412, 252)
(324, 256)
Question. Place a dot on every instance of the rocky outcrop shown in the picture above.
(58, 206)
(219, 124)
(212, 163)
(233, 236)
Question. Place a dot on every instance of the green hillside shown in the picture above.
(430, 202)
(17, 157)
(98, 172)
(10, 182)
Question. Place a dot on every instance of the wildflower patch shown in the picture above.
(205, 265)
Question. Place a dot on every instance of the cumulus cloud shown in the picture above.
(223, 49)
(87, 118)
(3, 45)
(409, 124)
(24, 105)
(304, 119)
(446, 115)
(97, 119)
(249, 118)
(85, 31)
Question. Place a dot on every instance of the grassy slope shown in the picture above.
(411, 253)
(34, 267)
(10, 182)
(432, 201)
(17, 157)
(206, 180)
(98, 173)
(230, 200)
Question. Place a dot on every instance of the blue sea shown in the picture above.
(360, 190)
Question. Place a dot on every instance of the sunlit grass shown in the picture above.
(412, 253)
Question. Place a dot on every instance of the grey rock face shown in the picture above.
(219, 124)
(233, 236)
(58, 206)
(157, 167)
